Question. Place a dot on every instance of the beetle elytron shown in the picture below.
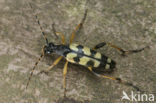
(96, 62)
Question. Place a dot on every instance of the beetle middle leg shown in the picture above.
(123, 52)
(78, 27)
(64, 77)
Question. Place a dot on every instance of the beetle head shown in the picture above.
(50, 48)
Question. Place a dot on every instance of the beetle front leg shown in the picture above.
(58, 34)
(54, 64)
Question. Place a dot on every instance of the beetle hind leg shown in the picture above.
(133, 51)
(122, 51)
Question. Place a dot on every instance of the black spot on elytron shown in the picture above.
(90, 63)
(80, 47)
(112, 65)
(93, 52)
(80, 53)
(103, 61)
(76, 59)
(65, 50)
(65, 53)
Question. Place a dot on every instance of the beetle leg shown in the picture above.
(78, 27)
(58, 34)
(123, 52)
(64, 77)
(119, 80)
(62, 36)
(55, 63)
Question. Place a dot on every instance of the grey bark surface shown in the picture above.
(130, 24)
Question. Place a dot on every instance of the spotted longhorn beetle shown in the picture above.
(79, 54)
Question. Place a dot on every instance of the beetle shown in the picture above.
(96, 62)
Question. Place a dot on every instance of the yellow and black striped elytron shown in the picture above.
(96, 62)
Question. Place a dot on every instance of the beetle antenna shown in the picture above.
(33, 70)
(41, 56)
(37, 19)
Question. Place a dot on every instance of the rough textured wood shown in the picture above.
(129, 24)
